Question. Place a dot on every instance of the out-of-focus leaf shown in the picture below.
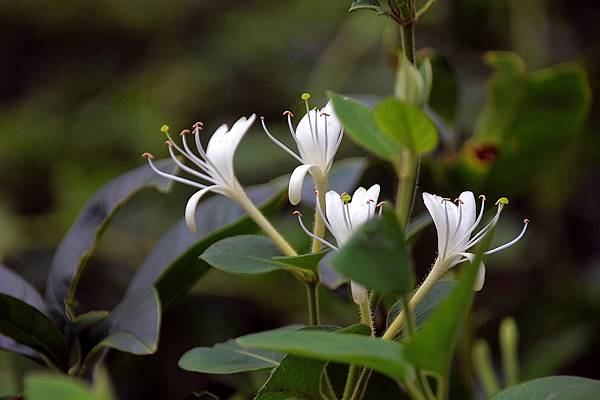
(298, 377)
(174, 265)
(255, 254)
(14, 285)
(46, 386)
(443, 98)
(406, 125)
(134, 325)
(433, 345)
(358, 122)
(376, 257)
(28, 326)
(381, 355)
(553, 387)
(417, 224)
(438, 293)
(374, 5)
(79, 243)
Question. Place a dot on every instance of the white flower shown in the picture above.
(455, 223)
(213, 167)
(318, 137)
(344, 217)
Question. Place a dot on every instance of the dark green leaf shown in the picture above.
(46, 386)
(443, 98)
(555, 388)
(433, 345)
(381, 355)
(174, 265)
(358, 122)
(376, 257)
(244, 254)
(437, 294)
(304, 261)
(28, 326)
(133, 326)
(406, 125)
(79, 243)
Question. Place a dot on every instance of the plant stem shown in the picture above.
(482, 360)
(312, 297)
(436, 273)
(408, 40)
(351, 381)
(319, 225)
(366, 315)
(326, 387)
(413, 391)
(405, 170)
(361, 384)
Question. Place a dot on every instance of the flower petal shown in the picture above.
(335, 216)
(297, 181)
(433, 203)
(190, 208)
(359, 292)
(480, 278)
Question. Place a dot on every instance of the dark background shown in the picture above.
(85, 86)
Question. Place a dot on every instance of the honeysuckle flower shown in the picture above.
(455, 224)
(213, 166)
(317, 137)
(342, 217)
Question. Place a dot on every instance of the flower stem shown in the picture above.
(351, 380)
(312, 297)
(436, 273)
(366, 316)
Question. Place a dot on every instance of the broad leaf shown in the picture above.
(79, 243)
(376, 257)
(28, 326)
(46, 386)
(406, 125)
(357, 120)
(433, 346)
(381, 355)
(174, 265)
(438, 293)
(14, 285)
(553, 387)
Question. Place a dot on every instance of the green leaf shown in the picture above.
(298, 377)
(376, 257)
(304, 261)
(46, 386)
(79, 243)
(443, 98)
(357, 120)
(173, 265)
(244, 254)
(374, 5)
(381, 355)
(230, 358)
(555, 388)
(438, 293)
(406, 125)
(28, 326)
(433, 345)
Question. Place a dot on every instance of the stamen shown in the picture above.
(321, 212)
(305, 96)
(477, 221)
(325, 153)
(346, 208)
(189, 154)
(213, 169)
(185, 132)
(198, 125)
(165, 129)
(380, 206)
(288, 113)
(512, 242)
(312, 235)
(277, 142)
(477, 238)
(460, 215)
(173, 177)
(369, 203)
(148, 155)
(186, 168)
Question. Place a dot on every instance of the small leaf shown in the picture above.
(553, 387)
(304, 261)
(438, 293)
(376, 257)
(243, 254)
(406, 125)
(374, 5)
(357, 120)
(28, 326)
(79, 243)
(381, 355)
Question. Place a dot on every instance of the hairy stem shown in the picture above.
(312, 297)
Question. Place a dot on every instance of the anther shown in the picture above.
(482, 197)
(502, 200)
(380, 204)
(168, 142)
(148, 155)
(289, 113)
(184, 132)
(526, 221)
(298, 213)
(324, 114)
(165, 128)
(198, 125)
(445, 199)
(458, 200)
(316, 193)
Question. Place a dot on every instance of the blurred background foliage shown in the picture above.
(85, 87)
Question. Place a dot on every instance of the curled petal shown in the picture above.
(480, 278)
(190, 208)
(297, 181)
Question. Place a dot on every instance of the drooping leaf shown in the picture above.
(433, 345)
(298, 377)
(357, 120)
(376, 257)
(230, 358)
(28, 326)
(79, 243)
(553, 387)
(438, 293)
(14, 285)
(406, 125)
(174, 265)
(381, 355)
